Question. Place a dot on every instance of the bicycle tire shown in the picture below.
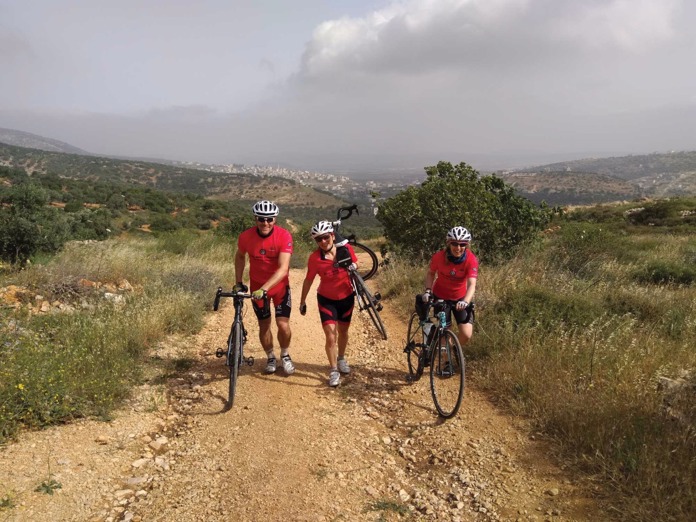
(414, 349)
(367, 260)
(447, 369)
(367, 302)
(233, 356)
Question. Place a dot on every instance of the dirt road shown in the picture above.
(291, 448)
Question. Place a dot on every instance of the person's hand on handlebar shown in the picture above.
(427, 296)
(258, 294)
(461, 305)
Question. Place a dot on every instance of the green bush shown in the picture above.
(666, 272)
(417, 219)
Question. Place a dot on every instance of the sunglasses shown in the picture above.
(265, 219)
(458, 244)
(319, 239)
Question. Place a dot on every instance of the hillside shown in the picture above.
(228, 186)
(27, 139)
(562, 188)
(594, 180)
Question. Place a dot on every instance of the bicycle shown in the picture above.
(434, 345)
(366, 300)
(367, 259)
(235, 341)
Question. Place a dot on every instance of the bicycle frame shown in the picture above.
(367, 301)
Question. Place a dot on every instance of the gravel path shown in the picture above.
(292, 448)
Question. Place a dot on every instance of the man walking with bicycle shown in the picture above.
(452, 277)
(269, 248)
(334, 296)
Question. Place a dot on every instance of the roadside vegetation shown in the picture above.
(589, 332)
(585, 320)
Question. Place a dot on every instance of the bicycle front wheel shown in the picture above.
(366, 301)
(233, 355)
(367, 260)
(415, 346)
(447, 374)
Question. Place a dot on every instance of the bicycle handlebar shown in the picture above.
(340, 215)
(220, 293)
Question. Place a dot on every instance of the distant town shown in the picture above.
(332, 183)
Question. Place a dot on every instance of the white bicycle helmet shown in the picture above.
(265, 209)
(321, 228)
(458, 234)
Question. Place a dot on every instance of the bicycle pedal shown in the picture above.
(219, 353)
(378, 307)
(377, 296)
(249, 361)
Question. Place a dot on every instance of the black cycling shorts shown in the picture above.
(461, 316)
(335, 310)
(282, 307)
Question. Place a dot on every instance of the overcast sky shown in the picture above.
(342, 81)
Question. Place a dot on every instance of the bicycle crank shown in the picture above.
(220, 352)
(249, 361)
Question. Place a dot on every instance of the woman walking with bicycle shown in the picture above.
(451, 276)
(334, 296)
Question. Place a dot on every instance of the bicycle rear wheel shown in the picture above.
(233, 356)
(367, 260)
(447, 374)
(366, 301)
(415, 346)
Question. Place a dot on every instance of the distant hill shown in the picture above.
(33, 141)
(170, 178)
(595, 180)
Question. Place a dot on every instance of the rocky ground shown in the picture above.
(291, 448)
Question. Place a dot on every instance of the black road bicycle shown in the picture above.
(235, 341)
(366, 300)
(433, 345)
(367, 259)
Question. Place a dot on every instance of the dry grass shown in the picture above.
(573, 337)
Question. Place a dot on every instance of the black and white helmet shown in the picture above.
(321, 228)
(265, 209)
(459, 234)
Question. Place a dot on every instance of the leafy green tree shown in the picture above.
(417, 219)
(28, 226)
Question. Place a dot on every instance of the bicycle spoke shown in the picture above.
(447, 368)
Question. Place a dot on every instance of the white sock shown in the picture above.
(283, 352)
(270, 355)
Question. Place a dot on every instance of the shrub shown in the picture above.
(416, 220)
(666, 272)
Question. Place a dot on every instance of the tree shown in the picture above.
(28, 226)
(417, 219)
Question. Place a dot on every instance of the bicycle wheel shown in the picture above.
(233, 356)
(414, 349)
(367, 302)
(447, 374)
(367, 260)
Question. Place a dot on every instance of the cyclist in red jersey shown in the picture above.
(334, 296)
(452, 276)
(269, 248)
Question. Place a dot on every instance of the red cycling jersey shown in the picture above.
(335, 282)
(451, 278)
(263, 253)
